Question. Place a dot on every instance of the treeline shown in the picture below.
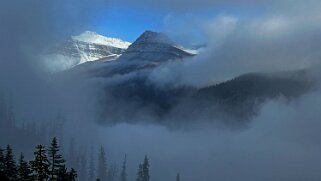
(14, 131)
(105, 174)
(48, 164)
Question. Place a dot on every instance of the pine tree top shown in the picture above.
(146, 161)
(178, 178)
(9, 158)
(123, 174)
(10, 165)
(24, 170)
(1, 153)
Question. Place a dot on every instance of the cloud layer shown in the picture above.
(282, 143)
(275, 40)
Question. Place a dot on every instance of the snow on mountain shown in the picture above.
(149, 50)
(92, 37)
(86, 47)
(127, 82)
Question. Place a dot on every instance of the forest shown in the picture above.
(48, 162)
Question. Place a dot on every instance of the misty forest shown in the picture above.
(160, 90)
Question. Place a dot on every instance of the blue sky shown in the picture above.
(128, 23)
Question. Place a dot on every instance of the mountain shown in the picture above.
(94, 38)
(150, 50)
(154, 47)
(86, 47)
(129, 95)
(233, 102)
(239, 99)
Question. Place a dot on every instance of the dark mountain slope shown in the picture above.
(233, 101)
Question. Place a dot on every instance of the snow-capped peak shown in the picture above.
(92, 37)
(153, 47)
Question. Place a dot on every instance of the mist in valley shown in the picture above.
(175, 112)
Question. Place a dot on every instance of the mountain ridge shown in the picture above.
(154, 47)
(129, 95)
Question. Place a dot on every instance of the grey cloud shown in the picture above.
(27, 27)
(282, 143)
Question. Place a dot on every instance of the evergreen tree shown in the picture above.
(91, 171)
(146, 176)
(123, 173)
(2, 165)
(60, 121)
(178, 178)
(102, 165)
(71, 155)
(41, 164)
(62, 174)
(83, 166)
(72, 175)
(112, 172)
(55, 159)
(143, 171)
(24, 171)
(140, 174)
(10, 169)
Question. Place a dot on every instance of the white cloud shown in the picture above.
(272, 41)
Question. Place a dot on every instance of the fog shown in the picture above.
(282, 142)
(274, 41)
